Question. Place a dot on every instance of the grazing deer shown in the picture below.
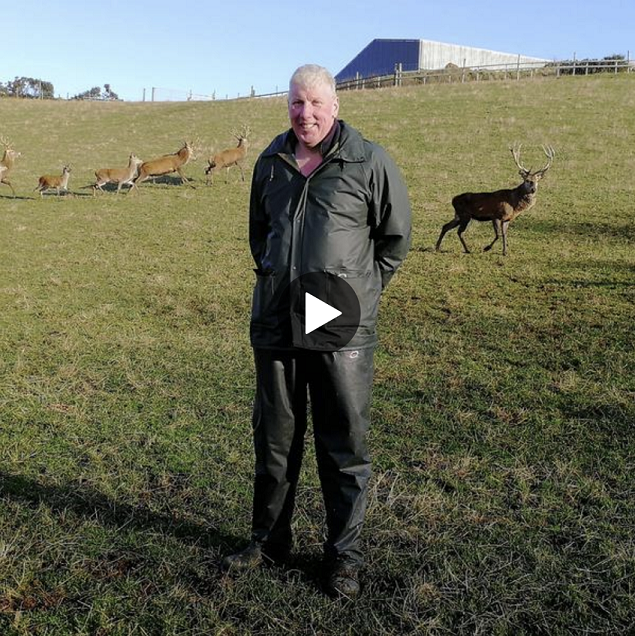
(500, 207)
(59, 182)
(120, 176)
(165, 165)
(230, 157)
(8, 159)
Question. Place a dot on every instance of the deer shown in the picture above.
(120, 176)
(8, 159)
(166, 164)
(59, 182)
(229, 157)
(500, 207)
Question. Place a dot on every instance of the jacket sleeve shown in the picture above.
(390, 215)
(258, 223)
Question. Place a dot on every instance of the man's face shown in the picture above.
(312, 111)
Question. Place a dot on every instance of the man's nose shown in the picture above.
(307, 110)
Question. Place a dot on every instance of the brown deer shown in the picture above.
(8, 159)
(166, 164)
(59, 182)
(500, 207)
(229, 157)
(120, 176)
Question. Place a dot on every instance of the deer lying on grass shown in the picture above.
(8, 159)
(167, 164)
(500, 207)
(59, 182)
(120, 176)
(229, 157)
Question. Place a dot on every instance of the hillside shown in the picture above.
(502, 496)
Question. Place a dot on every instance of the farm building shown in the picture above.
(381, 56)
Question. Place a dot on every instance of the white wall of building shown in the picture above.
(437, 55)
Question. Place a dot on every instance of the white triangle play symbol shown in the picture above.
(317, 313)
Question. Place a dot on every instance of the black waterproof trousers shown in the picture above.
(339, 384)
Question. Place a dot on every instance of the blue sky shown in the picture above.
(226, 47)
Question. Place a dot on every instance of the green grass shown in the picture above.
(502, 500)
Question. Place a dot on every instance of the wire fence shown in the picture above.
(517, 71)
(160, 94)
(450, 74)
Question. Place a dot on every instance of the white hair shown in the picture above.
(311, 74)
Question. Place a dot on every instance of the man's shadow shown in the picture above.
(90, 503)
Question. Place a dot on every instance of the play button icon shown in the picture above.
(318, 313)
(324, 311)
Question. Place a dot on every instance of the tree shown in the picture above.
(96, 93)
(28, 87)
(109, 93)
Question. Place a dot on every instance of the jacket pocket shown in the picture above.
(262, 300)
(366, 286)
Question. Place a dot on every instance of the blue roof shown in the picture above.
(380, 57)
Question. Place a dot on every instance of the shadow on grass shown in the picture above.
(169, 180)
(593, 273)
(17, 197)
(592, 230)
(90, 503)
(69, 194)
(107, 187)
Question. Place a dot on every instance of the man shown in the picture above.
(329, 204)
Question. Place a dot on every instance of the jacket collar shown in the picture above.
(349, 146)
(333, 138)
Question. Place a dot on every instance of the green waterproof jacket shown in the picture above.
(349, 218)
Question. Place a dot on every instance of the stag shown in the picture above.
(229, 157)
(166, 164)
(57, 182)
(120, 176)
(500, 207)
(8, 159)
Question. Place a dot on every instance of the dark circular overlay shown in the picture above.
(333, 290)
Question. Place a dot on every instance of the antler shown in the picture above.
(196, 146)
(551, 153)
(6, 143)
(243, 133)
(515, 150)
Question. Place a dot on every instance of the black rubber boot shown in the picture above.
(253, 556)
(342, 579)
(249, 558)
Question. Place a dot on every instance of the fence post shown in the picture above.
(518, 68)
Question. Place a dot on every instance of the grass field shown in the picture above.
(503, 497)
